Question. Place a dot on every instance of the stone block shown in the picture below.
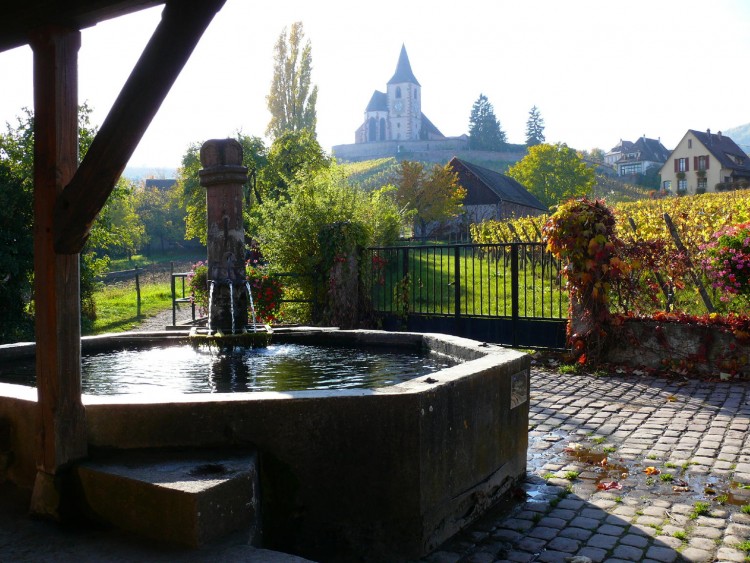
(186, 498)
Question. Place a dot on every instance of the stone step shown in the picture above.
(187, 497)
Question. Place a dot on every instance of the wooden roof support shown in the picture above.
(61, 417)
(182, 25)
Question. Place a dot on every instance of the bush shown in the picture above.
(289, 230)
(266, 289)
(727, 260)
(198, 283)
(267, 293)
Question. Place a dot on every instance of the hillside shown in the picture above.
(374, 174)
(741, 136)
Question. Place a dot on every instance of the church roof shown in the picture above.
(378, 102)
(403, 70)
(429, 128)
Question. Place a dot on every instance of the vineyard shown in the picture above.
(673, 276)
(371, 174)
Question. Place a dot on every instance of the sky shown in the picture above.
(598, 71)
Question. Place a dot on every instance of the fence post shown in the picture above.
(514, 291)
(457, 282)
(174, 297)
(137, 294)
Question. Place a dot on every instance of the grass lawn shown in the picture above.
(116, 306)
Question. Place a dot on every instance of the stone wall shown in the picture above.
(691, 349)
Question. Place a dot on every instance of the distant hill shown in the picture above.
(741, 136)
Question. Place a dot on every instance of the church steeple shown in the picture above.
(403, 70)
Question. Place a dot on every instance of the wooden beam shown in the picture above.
(21, 18)
(182, 25)
(61, 417)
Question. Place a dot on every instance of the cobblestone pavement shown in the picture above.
(588, 432)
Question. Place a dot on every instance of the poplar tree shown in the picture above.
(291, 100)
(485, 133)
(534, 128)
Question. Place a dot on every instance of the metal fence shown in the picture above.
(513, 280)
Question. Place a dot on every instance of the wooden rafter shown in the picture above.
(182, 25)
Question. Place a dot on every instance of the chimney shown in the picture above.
(708, 132)
(719, 135)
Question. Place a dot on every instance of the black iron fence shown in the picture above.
(464, 282)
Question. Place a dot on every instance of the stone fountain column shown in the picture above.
(223, 177)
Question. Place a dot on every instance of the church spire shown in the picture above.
(403, 70)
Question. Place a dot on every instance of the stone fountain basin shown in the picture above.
(388, 473)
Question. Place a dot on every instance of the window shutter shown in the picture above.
(695, 162)
(687, 165)
(706, 162)
(676, 166)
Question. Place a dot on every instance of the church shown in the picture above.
(394, 124)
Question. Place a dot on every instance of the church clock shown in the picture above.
(398, 105)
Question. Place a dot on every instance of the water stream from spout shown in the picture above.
(210, 302)
(231, 301)
(252, 305)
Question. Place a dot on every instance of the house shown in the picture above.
(491, 195)
(628, 158)
(394, 124)
(616, 152)
(641, 156)
(705, 162)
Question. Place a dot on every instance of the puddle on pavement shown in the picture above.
(597, 467)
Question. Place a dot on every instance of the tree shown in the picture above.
(431, 197)
(17, 157)
(291, 153)
(534, 128)
(291, 101)
(553, 173)
(16, 257)
(485, 133)
(162, 214)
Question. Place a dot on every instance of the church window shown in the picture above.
(382, 129)
(398, 91)
(372, 128)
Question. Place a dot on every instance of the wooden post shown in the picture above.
(137, 294)
(681, 247)
(657, 275)
(61, 417)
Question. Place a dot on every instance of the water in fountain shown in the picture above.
(252, 305)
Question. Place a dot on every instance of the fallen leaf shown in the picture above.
(651, 470)
(603, 462)
(671, 398)
(678, 489)
(574, 447)
(608, 485)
